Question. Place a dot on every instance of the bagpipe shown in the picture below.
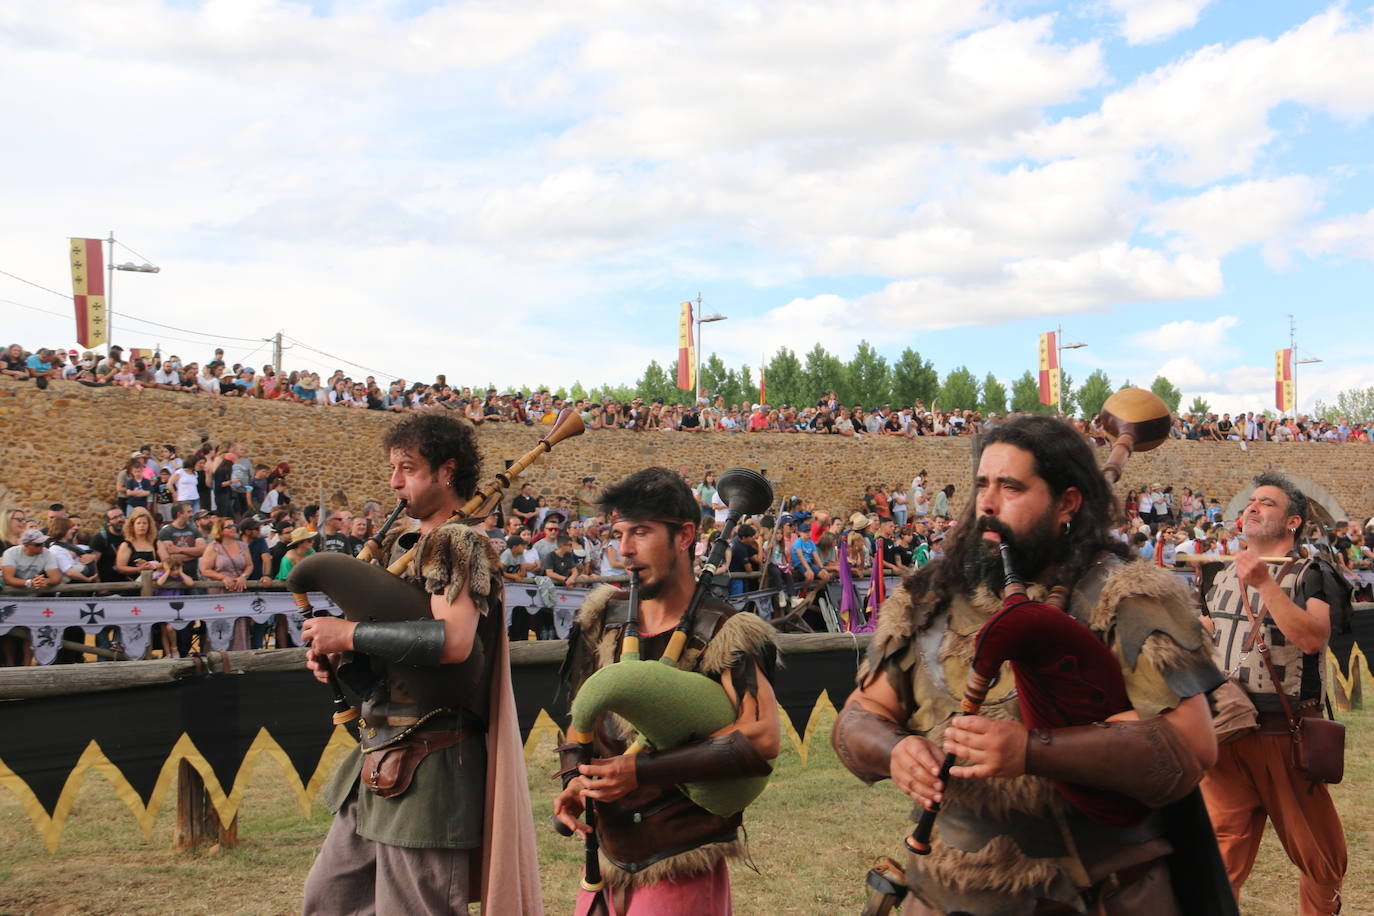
(666, 705)
(1064, 674)
(367, 592)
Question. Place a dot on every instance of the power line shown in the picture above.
(188, 330)
(37, 285)
(307, 346)
(34, 308)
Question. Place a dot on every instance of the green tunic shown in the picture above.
(443, 808)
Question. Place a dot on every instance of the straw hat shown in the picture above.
(858, 521)
(300, 534)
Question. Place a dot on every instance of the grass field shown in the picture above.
(813, 835)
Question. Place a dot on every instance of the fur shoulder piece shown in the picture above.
(740, 635)
(1146, 614)
(455, 557)
(591, 616)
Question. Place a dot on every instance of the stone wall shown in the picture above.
(67, 444)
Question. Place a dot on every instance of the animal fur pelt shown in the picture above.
(454, 558)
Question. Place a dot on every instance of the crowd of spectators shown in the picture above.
(218, 520)
(215, 378)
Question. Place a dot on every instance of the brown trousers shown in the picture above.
(355, 875)
(1252, 781)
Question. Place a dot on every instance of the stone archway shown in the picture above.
(1322, 506)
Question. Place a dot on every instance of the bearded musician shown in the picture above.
(1005, 841)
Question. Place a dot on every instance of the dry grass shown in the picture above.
(813, 835)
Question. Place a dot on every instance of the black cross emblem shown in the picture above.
(89, 616)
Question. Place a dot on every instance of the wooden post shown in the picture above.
(145, 583)
(198, 822)
(1356, 676)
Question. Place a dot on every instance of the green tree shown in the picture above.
(1199, 407)
(655, 383)
(1067, 393)
(823, 373)
(869, 378)
(914, 379)
(577, 392)
(994, 399)
(1025, 394)
(713, 375)
(1166, 390)
(959, 391)
(748, 389)
(1094, 393)
(784, 379)
(1355, 405)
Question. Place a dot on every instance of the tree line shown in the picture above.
(869, 379)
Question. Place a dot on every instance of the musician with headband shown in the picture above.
(662, 853)
(1006, 842)
(419, 802)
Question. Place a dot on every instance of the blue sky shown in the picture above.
(523, 191)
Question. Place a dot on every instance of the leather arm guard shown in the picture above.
(419, 643)
(569, 758)
(1146, 760)
(864, 741)
(727, 757)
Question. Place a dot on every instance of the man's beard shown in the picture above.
(1031, 553)
(652, 589)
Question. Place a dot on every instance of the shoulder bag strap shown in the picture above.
(1257, 634)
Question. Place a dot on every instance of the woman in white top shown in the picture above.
(185, 488)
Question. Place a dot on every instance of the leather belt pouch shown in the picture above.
(388, 771)
(1319, 749)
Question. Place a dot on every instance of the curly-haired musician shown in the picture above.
(661, 853)
(432, 808)
(1005, 841)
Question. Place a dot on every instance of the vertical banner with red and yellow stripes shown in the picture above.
(1283, 380)
(88, 291)
(686, 352)
(1049, 369)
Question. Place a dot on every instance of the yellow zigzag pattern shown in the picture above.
(227, 804)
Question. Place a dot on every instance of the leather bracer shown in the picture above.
(1146, 760)
(730, 756)
(419, 643)
(569, 759)
(864, 741)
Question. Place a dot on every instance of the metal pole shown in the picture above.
(696, 372)
(1059, 366)
(109, 297)
(1293, 348)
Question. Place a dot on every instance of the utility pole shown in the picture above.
(1293, 345)
(109, 296)
(276, 353)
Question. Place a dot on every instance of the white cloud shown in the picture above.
(1145, 21)
(1226, 217)
(1197, 336)
(1351, 236)
(1207, 115)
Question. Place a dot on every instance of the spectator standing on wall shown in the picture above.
(584, 506)
(133, 489)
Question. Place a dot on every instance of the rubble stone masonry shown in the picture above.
(67, 444)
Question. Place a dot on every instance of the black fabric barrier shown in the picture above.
(137, 728)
